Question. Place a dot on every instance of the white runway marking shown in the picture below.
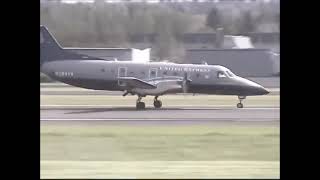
(140, 119)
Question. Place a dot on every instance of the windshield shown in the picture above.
(221, 74)
(230, 74)
(224, 74)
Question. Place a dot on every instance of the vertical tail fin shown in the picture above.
(49, 48)
(47, 39)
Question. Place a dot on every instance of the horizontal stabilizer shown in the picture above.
(136, 83)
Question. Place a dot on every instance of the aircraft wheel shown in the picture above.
(157, 104)
(239, 105)
(140, 105)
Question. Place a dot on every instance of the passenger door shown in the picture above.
(153, 73)
(122, 72)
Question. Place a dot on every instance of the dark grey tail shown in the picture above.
(50, 49)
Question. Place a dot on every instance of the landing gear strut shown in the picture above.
(157, 103)
(240, 105)
(140, 105)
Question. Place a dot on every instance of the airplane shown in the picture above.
(140, 78)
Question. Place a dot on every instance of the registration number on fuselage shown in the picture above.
(63, 74)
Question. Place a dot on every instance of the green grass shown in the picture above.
(100, 150)
(269, 100)
(160, 169)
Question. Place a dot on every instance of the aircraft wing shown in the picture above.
(169, 83)
(136, 83)
(177, 79)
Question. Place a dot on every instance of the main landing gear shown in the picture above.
(157, 103)
(141, 105)
(240, 105)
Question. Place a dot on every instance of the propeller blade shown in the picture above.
(185, 83)
(185, 76)
(126, 93)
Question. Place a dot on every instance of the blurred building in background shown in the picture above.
(252, 54)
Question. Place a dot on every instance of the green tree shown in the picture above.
(246, 23)
(214, 18)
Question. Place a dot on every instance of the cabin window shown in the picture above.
(198, 75)
(165, 73)
(221, 74)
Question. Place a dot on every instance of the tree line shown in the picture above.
(112, 25)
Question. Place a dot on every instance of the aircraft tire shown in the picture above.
(140, 105)
(157, 104)
(239, 105)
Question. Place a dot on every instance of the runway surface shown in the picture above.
(176, 115)
(97, 92)
(271, 83)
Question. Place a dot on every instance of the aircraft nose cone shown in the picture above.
(263, 91)
(255, 88)
(259, 90)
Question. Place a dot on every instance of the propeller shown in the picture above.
(185, 83)
(125, 93)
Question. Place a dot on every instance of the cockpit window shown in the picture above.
(229, 73)
(233, 75)
(221, 74)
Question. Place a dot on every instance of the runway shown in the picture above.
(166, 115)
(259, 112)
(271, 83)
(77, 92)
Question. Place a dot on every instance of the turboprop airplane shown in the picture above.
(140, 78)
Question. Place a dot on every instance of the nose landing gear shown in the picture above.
(240, 105)
(157, 103)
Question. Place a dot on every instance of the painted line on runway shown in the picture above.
(160, 119)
